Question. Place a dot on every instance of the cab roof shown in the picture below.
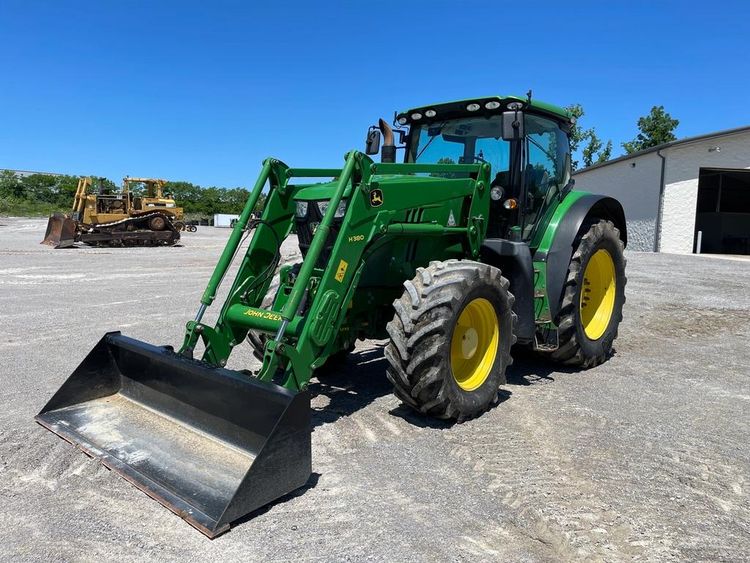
(458, 108)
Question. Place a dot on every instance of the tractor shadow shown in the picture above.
(357, 382)
(349, 386)
(354, 384)
(360, 380)
(529, 368)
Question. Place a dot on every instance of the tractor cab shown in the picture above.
(526, 146)
(524, 142)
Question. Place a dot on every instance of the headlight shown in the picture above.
(301, 209)
(473, 107)
(510, 203)
(340, 212)
(496, 193)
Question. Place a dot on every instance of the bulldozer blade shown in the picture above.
(61, 231)
(210, 444)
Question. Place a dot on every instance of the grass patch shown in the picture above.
(11, 207)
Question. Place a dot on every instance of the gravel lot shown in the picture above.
(644, 457)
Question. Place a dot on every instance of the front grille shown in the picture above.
(414, 215)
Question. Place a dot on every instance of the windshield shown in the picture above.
(461, 141)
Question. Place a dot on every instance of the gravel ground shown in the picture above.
(644, 457)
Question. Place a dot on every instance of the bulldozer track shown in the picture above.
(117, 233)
(125, 221)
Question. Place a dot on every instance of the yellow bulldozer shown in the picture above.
(129, 217)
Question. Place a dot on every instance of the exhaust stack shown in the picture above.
(388, 153)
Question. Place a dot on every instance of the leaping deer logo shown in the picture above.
(376, 198)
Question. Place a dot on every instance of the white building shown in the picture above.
(224, 219)
(24, 173)
(679, 194)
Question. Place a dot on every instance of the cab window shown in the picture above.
(461, 141)
(547, 168)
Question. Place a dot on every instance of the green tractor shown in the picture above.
(475, 243)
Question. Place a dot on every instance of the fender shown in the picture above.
(559, 239)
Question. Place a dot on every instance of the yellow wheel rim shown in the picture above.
(598, 295)
(474, 344)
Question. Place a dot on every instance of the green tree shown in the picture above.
(446, 160)
(577, 135)
(40, 187)
(10, 185)
(65, 189)
(235, 199)
(594, 150)
(656, 128)
(187, 195)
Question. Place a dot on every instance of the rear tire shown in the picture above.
(451, 338)
(590, 314)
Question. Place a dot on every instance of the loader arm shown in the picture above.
(79, 199)
(301, 342)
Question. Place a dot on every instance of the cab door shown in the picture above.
(546, 171)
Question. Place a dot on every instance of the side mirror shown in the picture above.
(512, 125)
(372, 144)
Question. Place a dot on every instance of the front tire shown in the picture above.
(591, 308)
(451, 338)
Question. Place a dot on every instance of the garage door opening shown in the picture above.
(722, 221)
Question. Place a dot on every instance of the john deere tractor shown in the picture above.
(474, 243)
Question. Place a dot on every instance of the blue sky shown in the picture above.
(203, 91)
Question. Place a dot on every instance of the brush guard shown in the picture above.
(210, 444)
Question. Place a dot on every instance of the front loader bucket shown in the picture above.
(208, 443)
(61, 231)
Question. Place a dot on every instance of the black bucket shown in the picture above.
(208, 443)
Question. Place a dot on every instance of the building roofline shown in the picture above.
(663, 146)
(30, 172)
